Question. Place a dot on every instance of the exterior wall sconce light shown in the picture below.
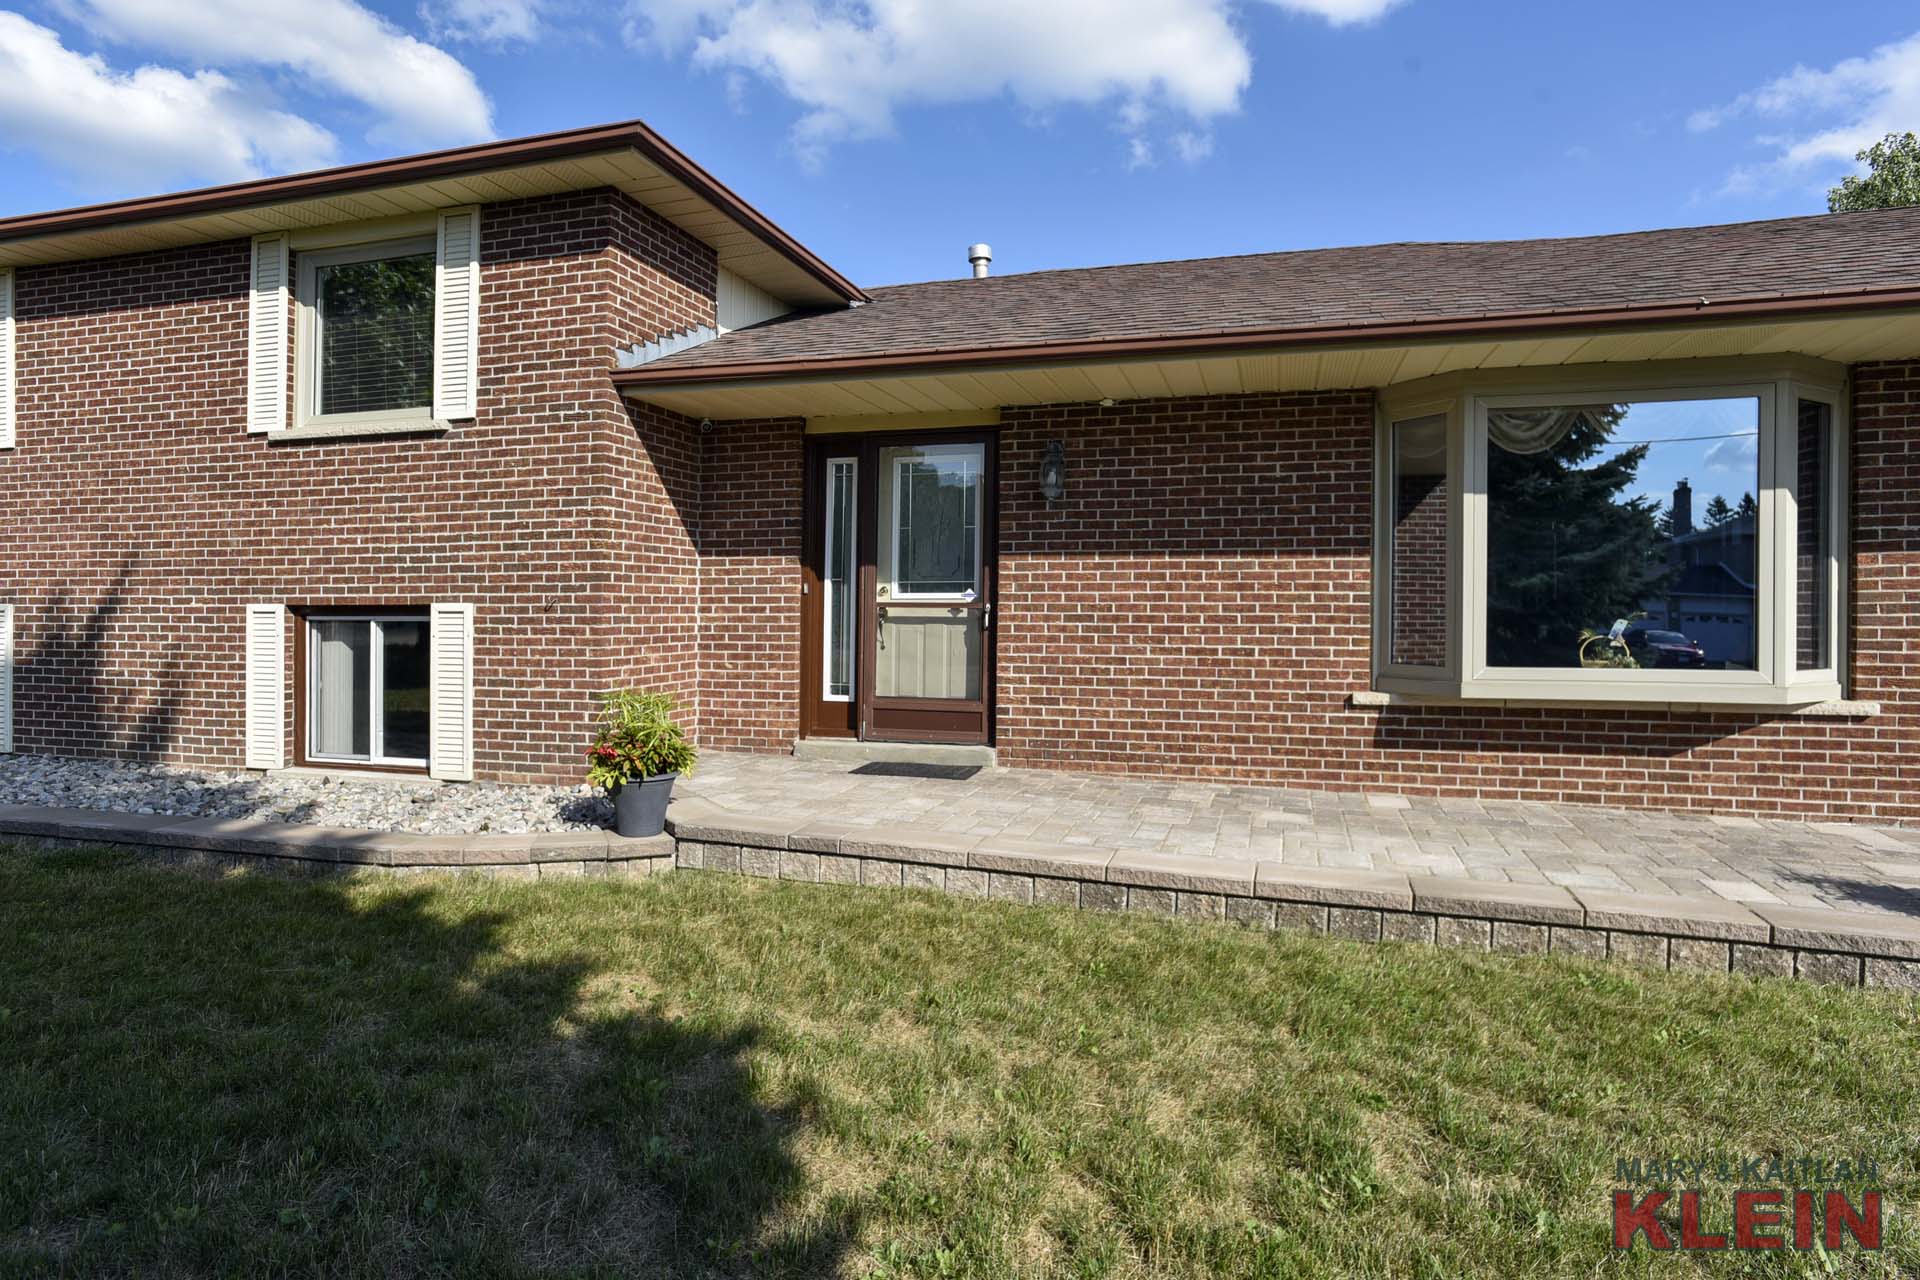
(1053, 472)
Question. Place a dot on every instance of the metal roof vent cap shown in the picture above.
(981, 256)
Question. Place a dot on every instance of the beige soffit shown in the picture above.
(1851, 339)
(745, 242)
(881, 422)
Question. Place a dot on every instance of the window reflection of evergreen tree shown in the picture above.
(377, 334)
(1566, 547)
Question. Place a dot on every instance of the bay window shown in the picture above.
(1662, 533)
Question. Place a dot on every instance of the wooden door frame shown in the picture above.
(817, 717)
(871, 445)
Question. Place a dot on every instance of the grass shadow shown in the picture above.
(712, 1075)
(242, 1074)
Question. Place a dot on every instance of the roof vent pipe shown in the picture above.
(981, 256)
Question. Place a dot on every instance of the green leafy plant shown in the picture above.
(1892, 180)
(638, 738)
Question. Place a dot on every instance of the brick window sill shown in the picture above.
(355, 430)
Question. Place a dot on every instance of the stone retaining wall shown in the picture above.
(1681, 933)
(305, 848)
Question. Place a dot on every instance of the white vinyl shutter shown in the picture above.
(266, 686)
(8, 339)
(267, 336)
(451, 697)
(456, 316)
(6, 678)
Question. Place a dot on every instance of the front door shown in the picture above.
(897, 641)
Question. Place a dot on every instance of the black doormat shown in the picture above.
(888, 769)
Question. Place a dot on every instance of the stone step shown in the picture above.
(851, 751)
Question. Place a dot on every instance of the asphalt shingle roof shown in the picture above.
(1364, 286)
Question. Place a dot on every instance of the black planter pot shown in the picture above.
(640, 807)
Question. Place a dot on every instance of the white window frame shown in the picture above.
(921, 453)
(376, 689)
(1412, 678)
(829, 602)
(1777, 383)
(306, 344)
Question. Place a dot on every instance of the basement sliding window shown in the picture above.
(365, 347)
(368, 690)
(1659, 535)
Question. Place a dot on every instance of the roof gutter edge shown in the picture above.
(439, 164)
(1253, 341)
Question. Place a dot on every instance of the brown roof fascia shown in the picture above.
(1263, 340)
(439, 164)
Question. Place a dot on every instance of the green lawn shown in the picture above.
(706, 1075)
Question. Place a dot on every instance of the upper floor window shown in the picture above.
(1613, 536)
(367, 332)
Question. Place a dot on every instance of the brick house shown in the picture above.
(394, 466)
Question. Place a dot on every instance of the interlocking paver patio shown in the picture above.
(1754, 861)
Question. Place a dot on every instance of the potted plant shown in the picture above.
(1608, 648)
(1599, 649)
(638, 753)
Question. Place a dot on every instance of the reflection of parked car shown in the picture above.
(1652, 648)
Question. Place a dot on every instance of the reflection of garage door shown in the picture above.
(1722, 641)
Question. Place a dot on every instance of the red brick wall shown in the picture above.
(1875, 765)
(140, 516)
(1197, 603)
(660, 281)
(653, 560)
(1198, 606)
(750, 585)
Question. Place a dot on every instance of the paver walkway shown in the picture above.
(1838, 865)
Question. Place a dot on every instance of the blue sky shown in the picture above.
(1712, 444)
(889, 134)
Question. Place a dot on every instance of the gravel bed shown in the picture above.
(331, 800)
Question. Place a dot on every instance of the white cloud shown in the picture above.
(1828, 116)
(1738, 455)
(852, 64)
(422, 95)
(1193, 147)
(485, 21)
(1340, 12)
(153, 123)
(669, 25)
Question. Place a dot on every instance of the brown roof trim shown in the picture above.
(1226, 341)
(439, 164)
